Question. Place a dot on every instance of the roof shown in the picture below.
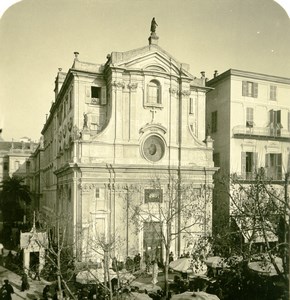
(248, 74)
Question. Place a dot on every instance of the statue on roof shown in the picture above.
(153, 25)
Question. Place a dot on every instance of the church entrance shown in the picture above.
(152, 241)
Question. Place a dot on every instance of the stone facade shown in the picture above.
(111, 129)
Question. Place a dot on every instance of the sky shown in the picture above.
(39, 36)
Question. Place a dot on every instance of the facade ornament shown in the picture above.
(153, 26)
(85, 126)
(87, 187)
(76, 133)
(132, 86)
(185, 92)
(118, 84)
(173, 91)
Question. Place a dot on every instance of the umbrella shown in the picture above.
(139, 296)
(90, 276)
(194, 296)
(216, 262)
(181, 264)
(265, 267)
(126, 276)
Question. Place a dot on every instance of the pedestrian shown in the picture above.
(45, 292)
(6, 291)
(171, 257)
(24, 282)
(137, 260)
(36, 275)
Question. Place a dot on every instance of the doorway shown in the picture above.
(152, 241)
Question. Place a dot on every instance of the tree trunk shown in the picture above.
(166, 268)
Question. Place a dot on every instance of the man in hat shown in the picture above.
(6, 290)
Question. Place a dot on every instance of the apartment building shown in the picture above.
(248, 117)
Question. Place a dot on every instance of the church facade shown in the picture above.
(112, 130)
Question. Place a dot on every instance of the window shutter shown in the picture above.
(268, 165)
(279, 165)
(271, 123)
(159, 100)
(289, 121)
(255, 162)
(278, 114)
(255, 86)
(88, 94)
(103, 95)
(244, 88)
(243, 164)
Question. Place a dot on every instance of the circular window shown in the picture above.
(153, 148)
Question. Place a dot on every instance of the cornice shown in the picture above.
(248, 75)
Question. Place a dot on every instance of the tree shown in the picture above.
(15, 197)
(171, 211)
(59, 257)
(260, 212)
(105, 247)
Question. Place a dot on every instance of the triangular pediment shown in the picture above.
(149, 58)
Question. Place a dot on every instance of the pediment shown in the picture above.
(149, 59)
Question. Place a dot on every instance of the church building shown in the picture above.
(112, 130)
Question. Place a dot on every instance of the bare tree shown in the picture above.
(59, 253)
(171, 210)
(260, 209)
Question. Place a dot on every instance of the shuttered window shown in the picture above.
(274, 166)
(250, 117)
(273, 92)
(249, 164)
(96, 95)
(275, 122)
(250, 89)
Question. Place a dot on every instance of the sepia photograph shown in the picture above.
(144, 149)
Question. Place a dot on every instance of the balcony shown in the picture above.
(265, 133)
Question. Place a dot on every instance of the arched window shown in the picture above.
(154, 93)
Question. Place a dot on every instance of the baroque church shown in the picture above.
(112, 130)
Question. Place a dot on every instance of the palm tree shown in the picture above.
(15, 196)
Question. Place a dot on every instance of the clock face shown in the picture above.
(153, 148)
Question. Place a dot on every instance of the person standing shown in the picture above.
(6, 291)
(24, 282)
(45, 292)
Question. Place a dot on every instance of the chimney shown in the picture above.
(202, 74)
(58, 81)
(215, 74)
(76, 55)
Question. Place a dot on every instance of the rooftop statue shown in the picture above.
(153, 25)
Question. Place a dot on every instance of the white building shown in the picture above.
(114, 126)
(248, 117)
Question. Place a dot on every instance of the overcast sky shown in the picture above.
(39, 36)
